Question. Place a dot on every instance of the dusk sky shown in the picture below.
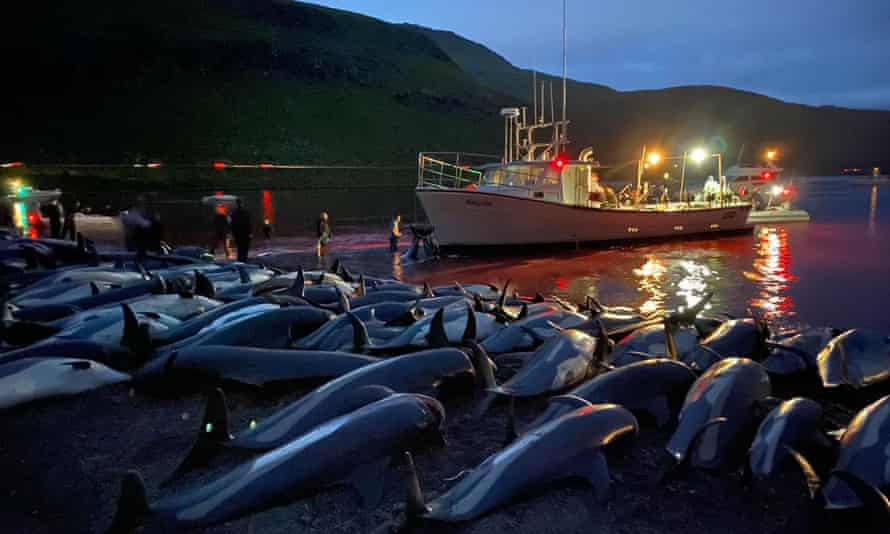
(820, 52)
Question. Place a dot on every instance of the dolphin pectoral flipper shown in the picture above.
(592, 467)
(683, 463)
(132, 505)
(873, 499)
(415, 507)
(369, 480)
(812, 479)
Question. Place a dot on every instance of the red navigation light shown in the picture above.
(154, 165)
(32, 233)
(766, 175)
(217, 193)
(12, 164)
(218, 165)
(33, 218)
(559, 163)
(265, 165)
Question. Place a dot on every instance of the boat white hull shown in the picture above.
(470, 218)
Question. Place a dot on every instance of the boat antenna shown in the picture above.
(564, 70)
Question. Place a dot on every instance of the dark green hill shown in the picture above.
(616, 124)
(252, 80)
(194, 80)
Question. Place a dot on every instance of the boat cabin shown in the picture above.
(575, 183)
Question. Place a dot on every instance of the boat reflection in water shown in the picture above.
(772, 275)
(873, 210)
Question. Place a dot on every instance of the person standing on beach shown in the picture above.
(395, 234)
(324, 235)
(54, 214)
(221, 231)
(69, 231)
(241, 230)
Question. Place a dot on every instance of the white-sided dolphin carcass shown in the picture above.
(856, 359)
(719, 409)
(354, 448)
(31, 379)
(566, 447)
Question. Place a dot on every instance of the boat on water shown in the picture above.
(536, 195)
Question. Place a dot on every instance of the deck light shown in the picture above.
(698, 155)
(654, 158)
(771, 154)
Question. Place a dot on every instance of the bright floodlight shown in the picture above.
(698, 155)
(654, 158)
(771, 155)
(776, 190)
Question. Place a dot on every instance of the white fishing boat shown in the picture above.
(535, 195)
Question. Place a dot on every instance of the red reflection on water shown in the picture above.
(772, 274)
(268, 215)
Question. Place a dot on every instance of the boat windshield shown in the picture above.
(529, 175)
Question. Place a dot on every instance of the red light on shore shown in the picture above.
(265, 165)
(12, 164)
(154, 165)
(217, 193)
(218, 165)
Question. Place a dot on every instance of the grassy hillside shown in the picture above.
(244, 80)
(616, 124)
(189, 81)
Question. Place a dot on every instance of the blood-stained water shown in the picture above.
(833, 271)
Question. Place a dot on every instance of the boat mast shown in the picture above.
(535, 93)
(564, 128)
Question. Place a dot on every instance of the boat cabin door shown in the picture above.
(577, 185)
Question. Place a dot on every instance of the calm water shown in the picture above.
(832, 271)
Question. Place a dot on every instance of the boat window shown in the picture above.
(525, 175)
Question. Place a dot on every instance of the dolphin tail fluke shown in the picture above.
(298, 288)
(132, 505)
(437, 338)
(809, 474)
(470, 330)
(213, 434)
(415, 507)
(203, 285)
(361, 341)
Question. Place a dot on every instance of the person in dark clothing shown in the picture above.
(324, 235)
(69, 231)
(241, 230)
(395, 234)
(54, 214)
(221, 231)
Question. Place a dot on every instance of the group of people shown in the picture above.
(239, 225)
(61, 219)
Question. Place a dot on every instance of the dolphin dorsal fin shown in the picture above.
(437, 338)
(361, 341)
(131, 325)
(361, 290)
(470, 330)
(94, 289)
(428, 291)
(335, 268)
(298, 288)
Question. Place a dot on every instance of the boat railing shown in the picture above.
(448, 170)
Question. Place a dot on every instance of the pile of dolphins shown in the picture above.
(74, 320)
